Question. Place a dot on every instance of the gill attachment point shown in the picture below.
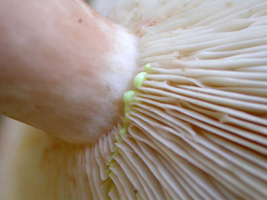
(128, 97)
(139, 79)
(147, 67)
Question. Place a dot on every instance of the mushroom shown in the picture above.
(194, 126)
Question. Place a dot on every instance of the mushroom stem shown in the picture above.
(63, 67)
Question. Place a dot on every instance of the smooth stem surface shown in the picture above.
(63, 67)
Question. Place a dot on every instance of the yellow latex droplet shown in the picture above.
(128, 97)
(147, 67)
(123, 131)
(139, 79)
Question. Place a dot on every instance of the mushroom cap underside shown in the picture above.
(195, 127)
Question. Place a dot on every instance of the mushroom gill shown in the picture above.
(194, 128)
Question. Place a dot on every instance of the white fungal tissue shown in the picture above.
(197, 125)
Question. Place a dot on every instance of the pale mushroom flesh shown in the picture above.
(194, 128)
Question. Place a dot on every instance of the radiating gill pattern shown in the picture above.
(197, 126)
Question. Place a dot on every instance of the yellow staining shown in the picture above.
(115, 152)
(111, 174)
(139, 79)
(128, 97)
(127, 115)
(106, 187)
(107, 170)
(126, 119)
(113, 163)
(147, 67)
(123, 131)
(120, 140)
(112, 189)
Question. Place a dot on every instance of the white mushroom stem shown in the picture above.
(63, 67)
